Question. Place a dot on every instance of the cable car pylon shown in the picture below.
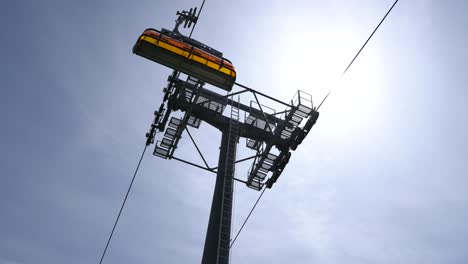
(271, 134)
(287, 132)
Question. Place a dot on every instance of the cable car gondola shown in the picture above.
(176, 51)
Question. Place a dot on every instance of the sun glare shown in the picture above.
(313, 62)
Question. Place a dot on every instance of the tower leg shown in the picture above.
(218, 235)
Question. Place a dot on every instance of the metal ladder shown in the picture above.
(226, 215)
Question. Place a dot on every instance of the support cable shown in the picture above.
(344, 72)
(123, 204)
(191, 31)
(359, 52)
(246, 219)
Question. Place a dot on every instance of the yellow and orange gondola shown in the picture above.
(186, 57)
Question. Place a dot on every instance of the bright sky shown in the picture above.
(380, 179)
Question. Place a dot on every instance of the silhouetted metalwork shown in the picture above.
(271, 135)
